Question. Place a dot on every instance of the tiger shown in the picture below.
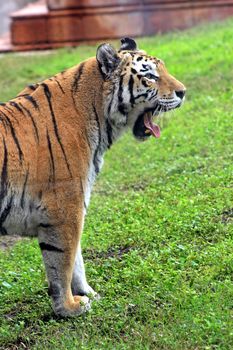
(54, 135)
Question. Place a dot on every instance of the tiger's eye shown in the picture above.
(151, 76)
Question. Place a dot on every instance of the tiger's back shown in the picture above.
(43, 140)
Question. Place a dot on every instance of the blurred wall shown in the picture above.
(6, 7)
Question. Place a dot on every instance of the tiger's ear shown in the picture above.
(107, 58)
(128, 44)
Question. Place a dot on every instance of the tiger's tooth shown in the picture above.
(147, 131)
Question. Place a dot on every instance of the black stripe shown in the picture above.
(153, 95)
(110, 103)
(4, 166)
(131, 82)
(11, 112)
(50, 248)
(141, 95)
(121, 109)
(49, 96)
(54, 289)
(6, 117)
(120, 91)
(23, 95)
(22, 200)
(109, 133)
(33, 87)
(45, 225)
(95, 158)
(133, 71)
(51, 156)
(74, 90)
(32, 100)
(3, 123)
(78, 75)
(3, 231)
(2, 104)
(4, 175)
(14, 104)
(121, 106)
(32, 120)
(58, 83)
(14, 137)
(75, 86)
(6, 212)
(9, 109)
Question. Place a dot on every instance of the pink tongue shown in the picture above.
(153, 128)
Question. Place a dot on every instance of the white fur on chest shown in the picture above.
(91, 177)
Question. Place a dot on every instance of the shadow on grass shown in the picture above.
(227, 216)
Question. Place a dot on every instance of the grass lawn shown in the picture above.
(158, 239)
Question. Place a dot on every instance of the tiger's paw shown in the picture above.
(90, 293)
(87, 291)
(76, 307)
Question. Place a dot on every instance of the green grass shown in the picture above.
(158, 239)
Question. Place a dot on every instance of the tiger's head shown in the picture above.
(138, 88)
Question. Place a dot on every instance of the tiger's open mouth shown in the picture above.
(151, 127)
(146, 127)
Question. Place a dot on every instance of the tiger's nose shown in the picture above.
(180, 94)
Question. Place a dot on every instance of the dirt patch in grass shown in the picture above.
(227, 216)
(116, 252)
(7, 242)
(19, 344)
(139, 186)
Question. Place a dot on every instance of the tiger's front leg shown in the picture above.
(79, 282)
(59, 240)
